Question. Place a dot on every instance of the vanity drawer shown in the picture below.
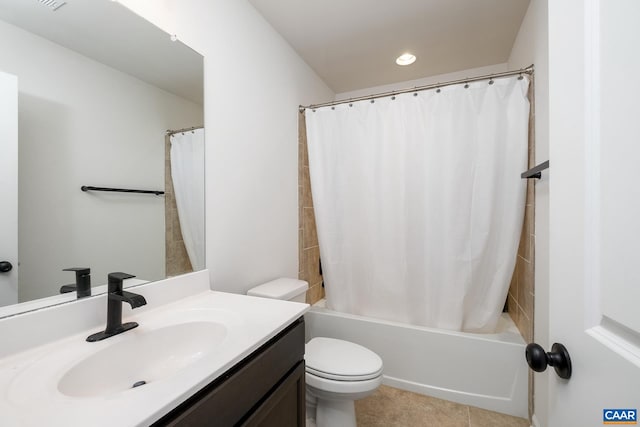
(260, 382)
(285, 406)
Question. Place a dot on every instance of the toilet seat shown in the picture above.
(334, 377)
(340, 360)
(353, 389)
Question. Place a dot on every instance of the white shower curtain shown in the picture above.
(419, 202)
(187, 171)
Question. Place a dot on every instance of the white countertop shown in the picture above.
(29, 378)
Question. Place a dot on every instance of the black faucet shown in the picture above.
(115, 297)
(82, 285)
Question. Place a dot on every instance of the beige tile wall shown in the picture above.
(308, 249)
(176, 258)
(521, 290)
(520, 300)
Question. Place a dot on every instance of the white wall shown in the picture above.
(254, 82)
(456, 75)
(9, 186)
(532, 47)
(83, 123)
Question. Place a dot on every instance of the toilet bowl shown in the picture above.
(337, 373)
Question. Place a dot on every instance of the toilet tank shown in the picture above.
(283, 288)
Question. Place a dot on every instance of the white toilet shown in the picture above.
(338, 372)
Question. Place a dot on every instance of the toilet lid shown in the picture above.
(341, 360)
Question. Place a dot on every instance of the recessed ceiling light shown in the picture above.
(406, 59)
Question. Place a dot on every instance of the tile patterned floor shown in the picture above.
(391, 407)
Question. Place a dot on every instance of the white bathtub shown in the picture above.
(484, 370)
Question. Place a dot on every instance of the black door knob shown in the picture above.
(5, 266)
(558, 357)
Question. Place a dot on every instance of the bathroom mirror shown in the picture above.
(97, 89)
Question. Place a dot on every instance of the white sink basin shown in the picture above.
(145, 357)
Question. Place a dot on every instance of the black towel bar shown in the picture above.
(120, 190)
(535, 172)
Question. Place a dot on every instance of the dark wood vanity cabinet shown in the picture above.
(265, 389)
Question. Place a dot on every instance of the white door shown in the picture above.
(594, 293)
(8, 189)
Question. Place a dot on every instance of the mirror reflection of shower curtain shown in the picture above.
(419, 202)
(187, 170)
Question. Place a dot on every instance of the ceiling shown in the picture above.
(111, 34)
(353, 44)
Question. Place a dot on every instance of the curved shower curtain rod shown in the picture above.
(171, 132)
(528, 70)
